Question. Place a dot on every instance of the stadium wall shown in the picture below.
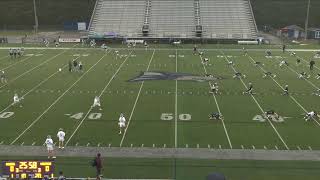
(18, 14)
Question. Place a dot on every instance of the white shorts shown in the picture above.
(122, 125)
(96, 104)
(50, 148)
(61, 139)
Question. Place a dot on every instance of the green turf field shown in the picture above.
(159, 113)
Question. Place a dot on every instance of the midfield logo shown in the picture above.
(148, 76)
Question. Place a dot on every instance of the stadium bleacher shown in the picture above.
(210, 19)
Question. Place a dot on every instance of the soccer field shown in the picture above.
(164, 113)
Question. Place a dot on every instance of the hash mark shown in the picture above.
(131, 145)
(187, 146)
(299, 148)
(22, 144)
(77, 144)
(1, 142)
(33, 143)
(88, 144)
(265, 147)
(220, 146)
(142, 145)
(153, 145)
(242, 147)
(164, 146)
(98, 144)
(276, 147)
(209, 146)
(310, 148)
(198, 146)
(109, 145)
(253, 147)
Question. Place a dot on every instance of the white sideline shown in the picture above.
(274, 128)
(39, 117)
(294, 99)
(103, 90)
(218, 107)
(26, 72)
(135, 103)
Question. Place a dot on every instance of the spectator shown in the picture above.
(98, 164)
(61, 176)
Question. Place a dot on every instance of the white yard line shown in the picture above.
(18, 61)
(258, 104)
(135, 103)
(21, 75)
(176, 108)
(91, 107)
(38, 85)
(218, 107)
(65, 92)
(294, 99)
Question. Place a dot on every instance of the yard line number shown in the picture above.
(92, 116)
(170, 116)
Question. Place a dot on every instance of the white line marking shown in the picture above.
(276, 147)
(176, 108)
(220, 146)
(294, 99)
(187, 146)
(1, 142)
(253, 147)
(20, 61)
(65, 92)
(26, 72)
(209, 146)
(298, 147)
(274, 128)
(4, 57)
(142, 145)
(218, 107)
(135, 103)
(131, 145)
(98, 145)
(33, 143)
(88, 144)
(22, 144)
(242, 147)
(109, 145)
(265, 147)
(153, 145)
(198, 146)
(77, 144)
(310, 148)
(164, 146)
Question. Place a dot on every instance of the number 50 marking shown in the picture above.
(169, 117)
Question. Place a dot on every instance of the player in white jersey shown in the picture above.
(3, 77)
(282, 63)
(214, 88)
(49, 144)
(122, 122)
(16, 99)
(96, 102)
(310, 115)
(61, 136)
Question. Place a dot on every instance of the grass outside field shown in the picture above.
(184, 169)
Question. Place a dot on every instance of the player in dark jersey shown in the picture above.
(271, 114)
(239, 75)
(75, 65)
(284, 48)
(268, 74)
(70, 66)
(195, 50)
(268, 53)
(249, 90)
(215, 116)
(257, 63)
(312, 63)
(298, 61)
(11, 52)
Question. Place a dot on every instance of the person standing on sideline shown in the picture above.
(49, 144)
(61, 136)
(97, 163)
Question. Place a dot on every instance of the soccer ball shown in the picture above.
(60, 69)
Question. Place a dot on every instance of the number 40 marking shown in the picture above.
(169, 117)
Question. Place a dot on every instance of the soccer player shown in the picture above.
(215, 116)
(195, 50)
(257, 63)
(268, 74)
(286, 90)
(284, 48)
(282, 63)
(70, 66)
(239, 75)
(122, 123)
(293, 54)
(271, 114)
(249, 90)
(49, 144)
(312, 63)
(3, 77)
(310, 115)
(80, 66)
(245, 52)
(75, 65)
(15, 53)
(145, 44)
(61, 136)
(214, 88)
(230, 63)
(11, 52)
(200, 53)
(96, 102)
(205, 61)
(268, 53)
(303, 75)
(16, 100)
(298, 61)
(56, 44)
